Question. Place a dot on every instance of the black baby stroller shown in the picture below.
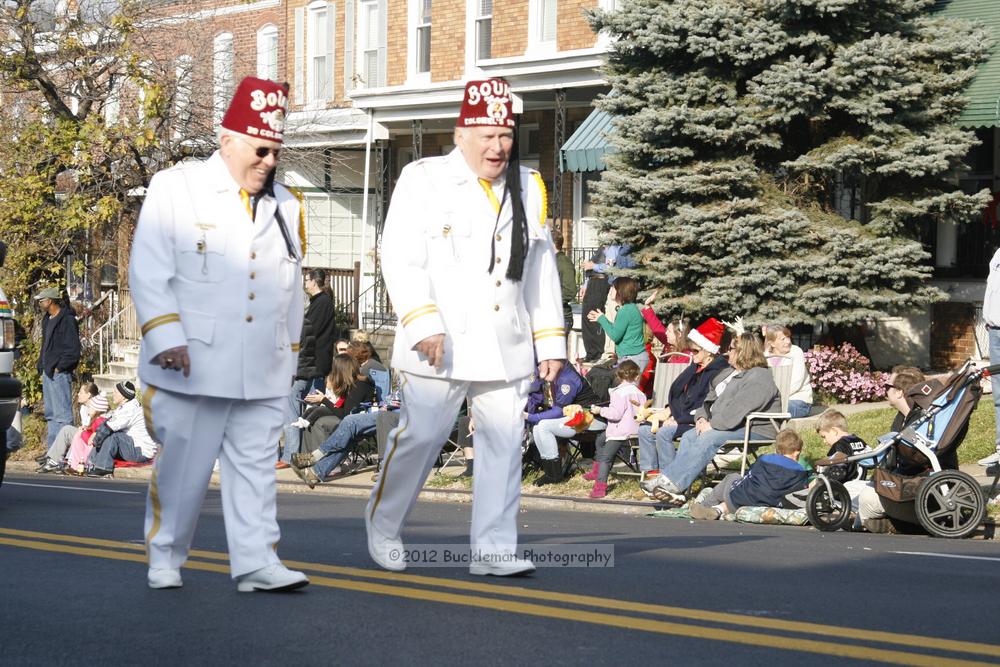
(907, 465)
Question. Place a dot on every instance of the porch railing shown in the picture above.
(121, 327)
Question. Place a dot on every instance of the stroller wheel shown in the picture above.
(829, 510)
(950, 504)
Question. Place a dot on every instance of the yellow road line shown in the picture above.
(560, 613)
(802, 627)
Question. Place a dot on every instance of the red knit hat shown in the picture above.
(708, 336)
(258, 109)
(487, 103)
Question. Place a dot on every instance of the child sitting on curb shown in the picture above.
(767, 483)
(626, 398)
(832, 428)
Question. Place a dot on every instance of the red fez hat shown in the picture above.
(487, 103)
(258, 109)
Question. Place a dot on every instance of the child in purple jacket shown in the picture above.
(626, 398)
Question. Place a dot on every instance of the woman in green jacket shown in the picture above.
(627, 329)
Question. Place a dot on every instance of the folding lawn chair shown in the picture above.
(665, 374)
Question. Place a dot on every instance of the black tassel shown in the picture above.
(519, 235)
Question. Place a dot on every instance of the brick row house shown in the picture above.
(376, 84)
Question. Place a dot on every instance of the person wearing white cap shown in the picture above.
(216, 277)
(471, 270)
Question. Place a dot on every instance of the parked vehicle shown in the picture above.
(10, 387)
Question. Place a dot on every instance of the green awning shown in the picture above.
(983, 93)
(585, 149)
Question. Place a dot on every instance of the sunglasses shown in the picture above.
(890, 386)
(261, 151)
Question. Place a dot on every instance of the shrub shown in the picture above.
(844, 375)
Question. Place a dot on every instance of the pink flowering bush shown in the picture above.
(844, 375)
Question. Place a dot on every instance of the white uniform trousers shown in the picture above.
(429, 409)
(194, 431)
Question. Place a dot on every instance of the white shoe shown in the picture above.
(274, 577)
(161, 577)
(989, 460)
(512, 568)
(387, 554)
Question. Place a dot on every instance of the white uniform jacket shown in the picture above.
(435, 258)
(206, 276)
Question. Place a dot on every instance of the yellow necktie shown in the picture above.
(488, 188)
(245, 196)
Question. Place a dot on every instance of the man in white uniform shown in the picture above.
(215, 275)
(991, 314)
(471, 271)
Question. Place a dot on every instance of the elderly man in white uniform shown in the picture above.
(215, 275)
(471, 271)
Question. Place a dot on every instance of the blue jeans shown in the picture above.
(799, 409)
(57, 394)
(656, 451)
(118, 445)
(994, 337)
(336, 448)
(293, 410)
(546, 431)
(696, 451)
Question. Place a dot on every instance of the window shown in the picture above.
(372, 35)
(267, 53)
(542, 15)
(318, 65)
(424, 36)
(484, 29)
(222, 75)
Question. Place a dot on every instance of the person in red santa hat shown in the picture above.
(214, 272)
(686, 394)
(471, 270)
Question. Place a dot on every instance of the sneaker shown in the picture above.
(993, 470)
(704, 512)
(659, 483)
(989, 460)
(308, 476)
(100, 472)
(50, 466)
(162, 577)
(275, 577)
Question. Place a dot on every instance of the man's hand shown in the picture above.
(175, 358)
(548, 370)
(702, 425)
(587, 265)
(432, 348)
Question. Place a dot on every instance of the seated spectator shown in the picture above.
(832, 429)
(320, 465)
(371, 367)
(627, 330)
(626, 398)
(56, 455)
(779, 351)
(771, 482)
(748, 387)
(80, 448)
(547, 422)
(123, 436)
(687, 393)
(873, 510)
(347, 390)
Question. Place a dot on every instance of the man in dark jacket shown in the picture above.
(321, 313)
(303, 381)
(57, 360)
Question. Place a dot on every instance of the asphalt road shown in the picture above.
(72, 591)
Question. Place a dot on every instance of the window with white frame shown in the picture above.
(319, 67)
(267, 53)
(423, 36)
(371, 42)
(222, 74)
(484, 29)
(542, 15)
(183, 83)
(112, 105)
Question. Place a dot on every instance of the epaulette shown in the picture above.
(537, 177)
(295, 192)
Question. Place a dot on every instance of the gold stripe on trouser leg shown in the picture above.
(388, 459)
(154, 492)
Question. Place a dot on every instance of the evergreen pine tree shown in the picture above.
(741, 124)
